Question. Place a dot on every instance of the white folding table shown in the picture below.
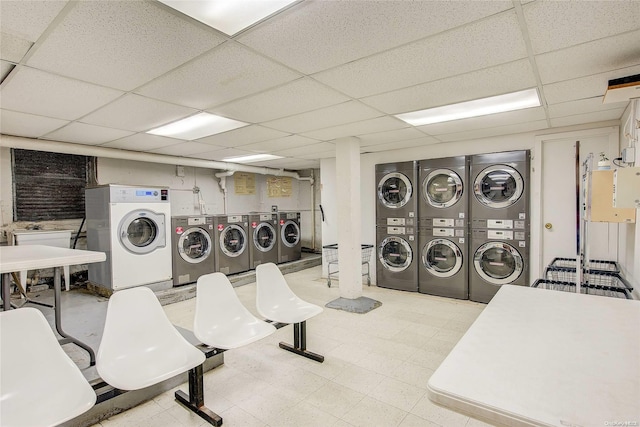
(538, 357)
(20, 258)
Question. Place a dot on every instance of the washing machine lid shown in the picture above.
(194, 245)
(142, 231)
(395, 254)
(442, 188)
(498, 263)
(264, 236)
(290, 233)
(394, 190)
(498, 186)
(442, 258)
(233, 240)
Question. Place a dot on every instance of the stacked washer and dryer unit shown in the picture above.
(472, 225)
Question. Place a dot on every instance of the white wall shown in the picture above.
(486, 145)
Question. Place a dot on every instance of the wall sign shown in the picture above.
(245, 183)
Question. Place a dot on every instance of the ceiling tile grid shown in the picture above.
(243, 136)
(28, 19)
(291, 141)
(141, 142)
(28, 125)
(81, 133)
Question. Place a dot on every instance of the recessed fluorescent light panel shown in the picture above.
(228, 16)
(252, 158)
(197, 126)
(479, 107)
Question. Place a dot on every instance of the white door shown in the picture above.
(558, 196)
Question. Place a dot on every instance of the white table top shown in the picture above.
(546, 358)
(20, 231)
(31, 257)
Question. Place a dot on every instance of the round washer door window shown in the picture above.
(498, 186)
(264, 237)
(442, 188)
(290, 234)
(442, 258)
(498, 263)
(233, 240)
(142, 231)
(395, 254)
(394, 190)
(194, 245)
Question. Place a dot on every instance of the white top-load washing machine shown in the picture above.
(131, 225)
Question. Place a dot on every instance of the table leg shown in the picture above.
(57, 291)
(6, 291)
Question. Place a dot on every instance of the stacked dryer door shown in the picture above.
(231, 243)
(443, 227)
(500, 222)
(263, 239)
(193, 253)
(289, 237)
(396, 226)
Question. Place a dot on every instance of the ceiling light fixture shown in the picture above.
(228, 16)
(252, 158)
(478, 107)
(197, 126)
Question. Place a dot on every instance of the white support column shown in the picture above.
(349, 218)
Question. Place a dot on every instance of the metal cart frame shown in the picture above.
(331, 254)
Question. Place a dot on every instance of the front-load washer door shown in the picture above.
(233, 240)
(290, 233)
(194, 245)
(142, 231)
(395, 254)
(394, 190)
(264, 237)
(442, 258)
(442, 188)
(498, 186)
(498, 263)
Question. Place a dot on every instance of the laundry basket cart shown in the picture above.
(331, 254)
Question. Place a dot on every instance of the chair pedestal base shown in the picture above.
(300, 343)
(195, 400)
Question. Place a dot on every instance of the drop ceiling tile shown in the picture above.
(585, 87)
(185, 148)
(5, 69)
(555, 25)
(220, 154)
(505, 78)
(13, 48)
(317, 156)
(581, 106)
(137, 113)
(314, 36)
(448, 54)
(288, 163)
(121, 44)
(27, 125)
(243, 136)
(335, 115)
(483, 122)
(81, 133)
(303, 152)
(390, 137)
(578, 119)
(37, 92)
(28, 19)
(409, 143)
(292, 141)
(228, 72)
(590, 58)
(142, 142)
(378, 124)
(296, 97)
(496, 131)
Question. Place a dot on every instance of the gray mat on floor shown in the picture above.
(359, 305)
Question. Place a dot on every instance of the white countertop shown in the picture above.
(546, 358)
(25, 231)
(31, 257)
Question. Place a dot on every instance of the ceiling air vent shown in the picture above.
(622, 89)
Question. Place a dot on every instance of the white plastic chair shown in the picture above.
(221, 320)
(40, 385)
(277, 302)
(139, 346)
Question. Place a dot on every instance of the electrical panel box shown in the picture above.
(626, 188)
(602, 209)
